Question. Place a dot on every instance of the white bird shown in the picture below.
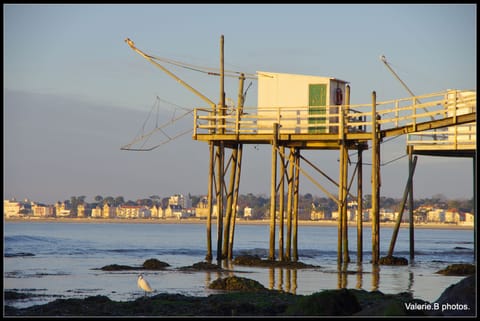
(143, 284)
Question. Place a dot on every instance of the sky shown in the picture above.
(75, 92)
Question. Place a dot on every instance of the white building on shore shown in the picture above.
(133, 211)
(41, 210)
(11, 208)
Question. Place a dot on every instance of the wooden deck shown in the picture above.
(448, 119)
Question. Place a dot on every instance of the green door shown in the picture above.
(317, 102)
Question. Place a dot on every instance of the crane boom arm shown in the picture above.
(384, 60)
(149, 58)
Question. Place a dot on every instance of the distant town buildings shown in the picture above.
(41, 210)
(179, 207)
(247, 212)
(61, 210)
(11, 208)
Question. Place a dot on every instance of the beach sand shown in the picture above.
(238, 221)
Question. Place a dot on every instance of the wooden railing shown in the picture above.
(352, 118)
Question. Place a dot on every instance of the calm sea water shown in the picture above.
(62, 260)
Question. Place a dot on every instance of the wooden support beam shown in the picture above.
(235, 202)
(398, 222)
(344, 112)
(239, 149)
(411, 168)
(281, 201)
(296, 193)
(360, 207)
(211, 171)
(273, 194)
(340, 206)
(219, 197)
(375, 184)
(229, 206)
(291, 180)
(220, 109)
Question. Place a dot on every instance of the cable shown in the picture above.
(206, 70)
(393, 160)
(384, 163)
(143, 137)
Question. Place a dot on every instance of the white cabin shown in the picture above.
(300, 104)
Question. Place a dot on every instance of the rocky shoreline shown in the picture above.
(245, 297)
(458, 300)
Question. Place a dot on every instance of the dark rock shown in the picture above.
(13, 295)
(154, 264)
(461, 248)
(393, 260)
(150, 264)
(202, 266)
(235, 283)
(257, 303)
(458, 299)
(328, 302)
(252, 299)
(376, 303)
(254, 260)
(247, 260)
(18, 254)
(90, 306)
(118, 267)
(459, 269)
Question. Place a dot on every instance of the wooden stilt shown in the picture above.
(219, 195)
(211, 170)
(273, 194)
(235, 202)
(402, 207)
(291, 180)
(340, 208)
(346, 257)
(220, 155)
(359, 207)
(375, 184)
(229, 206)
(411, 169)
(239, 167)
(296, 191)
(281, 201)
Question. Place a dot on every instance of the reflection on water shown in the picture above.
(359, 276)
(292, 286)
(343, 272)
(410, 281)
(286, 281)
(375, 277)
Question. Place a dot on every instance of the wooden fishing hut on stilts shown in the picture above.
(294, 113)
(301, 112)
